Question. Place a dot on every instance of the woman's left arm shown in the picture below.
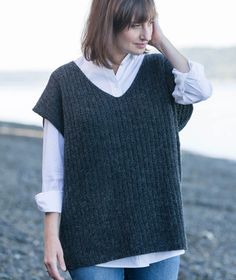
(192, 86)
(161, 42)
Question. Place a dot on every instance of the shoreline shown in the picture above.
(36, 131)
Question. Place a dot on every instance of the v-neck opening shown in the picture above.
(104, 92)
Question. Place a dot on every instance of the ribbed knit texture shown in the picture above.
(122, 163)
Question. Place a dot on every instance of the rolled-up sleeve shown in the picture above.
(193, 86)
(50, 199)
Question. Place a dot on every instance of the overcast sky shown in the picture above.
(44, 34)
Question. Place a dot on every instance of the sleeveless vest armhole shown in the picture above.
(49, 105)
(184, 112)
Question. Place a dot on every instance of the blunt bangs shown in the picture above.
(138, 11)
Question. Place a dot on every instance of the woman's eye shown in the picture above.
(135, 25)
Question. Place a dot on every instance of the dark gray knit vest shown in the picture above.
(122, 163)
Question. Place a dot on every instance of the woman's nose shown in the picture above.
(146, 33)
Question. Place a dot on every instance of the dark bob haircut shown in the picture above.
(106, 19)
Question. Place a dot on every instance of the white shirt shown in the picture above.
(191, 87)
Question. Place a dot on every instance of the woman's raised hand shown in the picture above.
(157, 35)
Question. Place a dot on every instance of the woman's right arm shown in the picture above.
(53, 252)
(49, 200)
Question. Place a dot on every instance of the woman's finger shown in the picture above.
(53, 271)
(61, 261)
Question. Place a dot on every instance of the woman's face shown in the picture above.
(133, 39)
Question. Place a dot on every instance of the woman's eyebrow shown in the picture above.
(140, 22)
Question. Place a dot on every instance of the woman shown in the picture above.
(111, 153)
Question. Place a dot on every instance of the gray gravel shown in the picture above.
(209, 207)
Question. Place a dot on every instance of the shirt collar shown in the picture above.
(95, 69)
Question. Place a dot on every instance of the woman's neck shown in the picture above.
(118, 59)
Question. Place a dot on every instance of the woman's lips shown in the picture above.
(141, 45)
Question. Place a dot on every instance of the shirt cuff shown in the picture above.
(193, 86)
(50, 201)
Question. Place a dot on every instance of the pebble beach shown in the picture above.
(208, 189)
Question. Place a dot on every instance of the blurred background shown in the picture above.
(39, 36)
